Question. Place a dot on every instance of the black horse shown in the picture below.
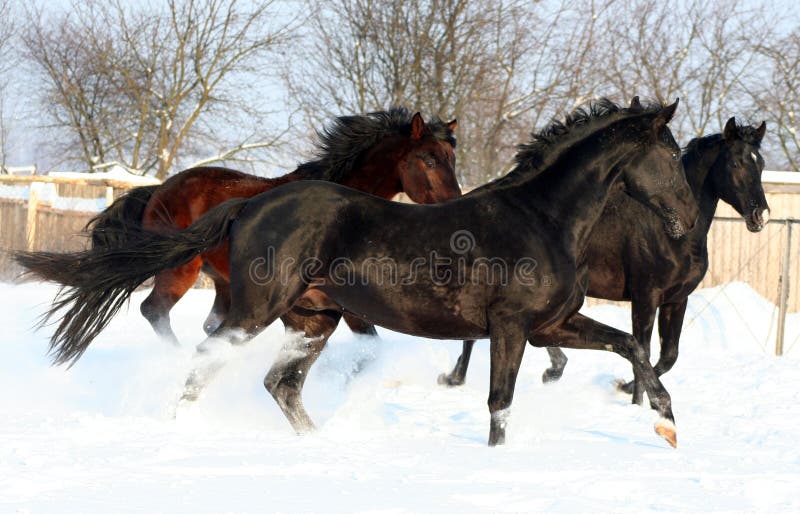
(504, 261)
(631, 259)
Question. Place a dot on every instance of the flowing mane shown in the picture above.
(746, 133)
(698, 144)
(547, 144)
(348, 137)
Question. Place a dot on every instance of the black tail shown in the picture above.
(110, 227)
(101, 279)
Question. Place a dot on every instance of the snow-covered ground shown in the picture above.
(100, 438)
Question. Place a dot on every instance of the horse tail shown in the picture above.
(109, 227)
(101, 279)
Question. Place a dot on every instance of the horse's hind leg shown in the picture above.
(359, 326)
(362, 328)
(670, 324)
(458, 376)
(286, 377)
(212, 354)
(221, 307)
(252, 310)
(582, 332)
(169, 286)
(557, 363)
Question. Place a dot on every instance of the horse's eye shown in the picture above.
(675, 156)
(429, 162)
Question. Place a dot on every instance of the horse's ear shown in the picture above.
(669, 111)
(635, 104)
(451, 125)
(417, 126)
(729, 132)
(666, 114)
(762, 129)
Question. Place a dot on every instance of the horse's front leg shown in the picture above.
(670, 325)
(579, 331)
(507, 347)
(643, 316)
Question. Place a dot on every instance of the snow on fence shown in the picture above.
(49, 212)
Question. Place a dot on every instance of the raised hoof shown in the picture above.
(449, 381)
(551, 375)
(666, 429)
(625, 387)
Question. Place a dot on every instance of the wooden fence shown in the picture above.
(29, 220)
(768, 261)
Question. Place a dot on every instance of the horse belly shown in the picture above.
(428, 315)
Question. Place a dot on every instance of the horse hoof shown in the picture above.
(666, 429)
(550, 376)
(447, 380)
(625, 387)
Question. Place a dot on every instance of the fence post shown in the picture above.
(109, 196)
(783, 299)
(33, 208)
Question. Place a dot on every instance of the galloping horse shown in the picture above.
(289, 248)
(383, 153)
(631, 259)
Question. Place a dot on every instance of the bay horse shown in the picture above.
(322, 247)
(383, 153)
(631, 259)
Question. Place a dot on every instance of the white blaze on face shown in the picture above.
(754, 156)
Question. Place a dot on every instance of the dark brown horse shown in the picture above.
(383, 153)
(631, 259)
(427, 270)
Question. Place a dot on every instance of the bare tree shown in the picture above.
(667, 49)
(5, 63)
(779, 96)
(136, 85)
(498, 67)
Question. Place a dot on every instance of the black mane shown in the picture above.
(342, 142)
(534, 155)
(698, 144)
(746, 133)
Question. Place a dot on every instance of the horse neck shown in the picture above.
(699, 165)
(571, 193)
(376, 172)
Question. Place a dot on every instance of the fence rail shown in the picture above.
(29, 220)
(767, 261)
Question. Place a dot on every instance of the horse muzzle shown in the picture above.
(757, 219)
(673, 225)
